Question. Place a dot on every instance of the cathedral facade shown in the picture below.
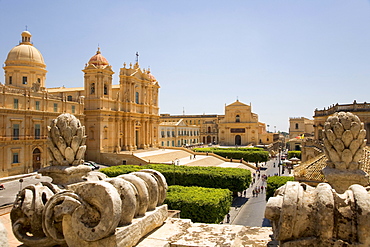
(238, 127)
(116, 117)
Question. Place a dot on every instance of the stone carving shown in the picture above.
(66, 141)
(306, 216)
(27, 213)
(344, 140)
(86, 209)
(328, 215)
(91, 212)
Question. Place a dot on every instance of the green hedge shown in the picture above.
(234, 179)
(254, 155)
(211, 149)
(275, 182)
(292, 154)
(206, 205)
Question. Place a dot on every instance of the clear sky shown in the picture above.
(287, 58)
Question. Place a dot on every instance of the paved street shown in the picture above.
(8, 195)
(249, 210)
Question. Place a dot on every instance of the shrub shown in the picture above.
(275, 182)
(292, 154)
(234, 179)
(211, 149)
(254, 155)
(206, 205)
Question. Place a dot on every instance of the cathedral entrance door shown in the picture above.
(36, 159)
(238, 140)
(209, 139)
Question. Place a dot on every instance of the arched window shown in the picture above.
(237, 119)
(92, 88)
(296, 126)
(105, 89)
(69, 97)
(209, 129)
(137, 97)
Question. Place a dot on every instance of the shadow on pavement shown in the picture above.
(239, 201)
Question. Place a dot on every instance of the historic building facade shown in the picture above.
(362, 110)
(299, 128)
(239, 126)
(178, 134)
(208, 125)
(116, 117)
(26, 109)
(312, 147)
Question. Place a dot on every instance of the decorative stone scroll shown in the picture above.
(86, 208)
(91, 213)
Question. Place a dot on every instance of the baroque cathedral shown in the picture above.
(116, 117)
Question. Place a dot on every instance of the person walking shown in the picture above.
(228, 218)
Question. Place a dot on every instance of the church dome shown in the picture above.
(25, 54)
(98, 59)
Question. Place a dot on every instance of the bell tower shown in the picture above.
(97, 82)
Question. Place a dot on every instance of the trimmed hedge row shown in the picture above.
(251, 155)
(292, 154)
(234, 179)
(211, 149)
(206, 205)
(275, 182)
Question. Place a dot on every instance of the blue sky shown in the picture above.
(287, 58)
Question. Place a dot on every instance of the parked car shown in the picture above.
(92, 164)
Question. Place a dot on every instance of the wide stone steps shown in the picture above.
(165, 156)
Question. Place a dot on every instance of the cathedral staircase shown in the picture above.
(183, 156)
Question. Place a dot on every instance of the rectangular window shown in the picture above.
(15, 131)
(15, 103)
(37, 131)
(24, 79)
(73, 109)
(55, 107)
(137, 97)
(37, 105)
(15, 158)
(10, 80)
